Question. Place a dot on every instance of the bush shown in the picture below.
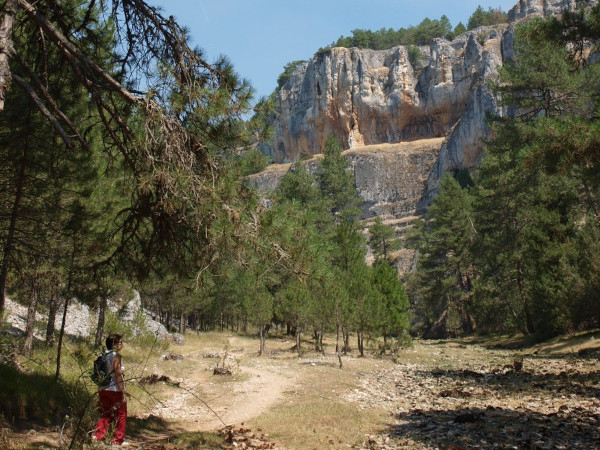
(36, 397)
(134, 332)
(253, 161)
(288, 69)
(415, 57)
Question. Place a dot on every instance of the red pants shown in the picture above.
(114, 408)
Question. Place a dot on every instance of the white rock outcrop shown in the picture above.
(367, 98)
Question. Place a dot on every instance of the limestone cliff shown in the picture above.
(542, 8)
(390, 178)
(367, 98)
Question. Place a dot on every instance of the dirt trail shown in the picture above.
(206, 402)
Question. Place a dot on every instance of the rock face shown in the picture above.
(81, 321)
(390, 178)
(541, 8)
(367, 97)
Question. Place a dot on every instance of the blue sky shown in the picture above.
(261, 36)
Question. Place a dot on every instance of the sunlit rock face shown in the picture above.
(390, 178)
(368, 97)
(541, 8)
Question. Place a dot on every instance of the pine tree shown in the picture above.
(442, 286)
(336, 183)
(535, 187)
(393, 316)
(169, 139)
(382, 239)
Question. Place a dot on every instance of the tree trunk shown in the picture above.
(322, 348)
(263, 339)
(170, 319)
(101, 318)
(298, 336)
(194, 323)
(360, 341)
(530, 327)
(8, 244)
(337, 336)
(51, 328)
(6, 47)
(346, 337)
(468, 322)
(60, 339)
(182, 323)
(437, 330)
(30, 327)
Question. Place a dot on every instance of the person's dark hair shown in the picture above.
(112, 340)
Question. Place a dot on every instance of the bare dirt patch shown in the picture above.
(204, 401)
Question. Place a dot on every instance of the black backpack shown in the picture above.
(102, 370)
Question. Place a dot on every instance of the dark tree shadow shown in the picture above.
(566, 383)
(499, 428)
(574, 424)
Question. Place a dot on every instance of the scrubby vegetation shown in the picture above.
(421, 34)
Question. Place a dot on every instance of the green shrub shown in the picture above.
(253, 161)
(288, 69)
(415, 57)
(134, 332)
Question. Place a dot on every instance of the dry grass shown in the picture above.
(314, 413)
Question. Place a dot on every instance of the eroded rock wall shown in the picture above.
(390, 178)
(542, 8)
(366, 98)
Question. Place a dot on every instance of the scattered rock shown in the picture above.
(245, 438)
(589, 352)
(467, 418)
(555, 404)
(172, 357)
(155, 378)
(456, 393)
(221, 371)
(518, 365)
(177, 339)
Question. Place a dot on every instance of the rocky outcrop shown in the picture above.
(81, 320)
(390, 178)
(368, 97)
(542, 8)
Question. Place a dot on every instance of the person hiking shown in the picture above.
(112, 397)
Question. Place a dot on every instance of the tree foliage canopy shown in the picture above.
(518, 253)
(422, 34)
